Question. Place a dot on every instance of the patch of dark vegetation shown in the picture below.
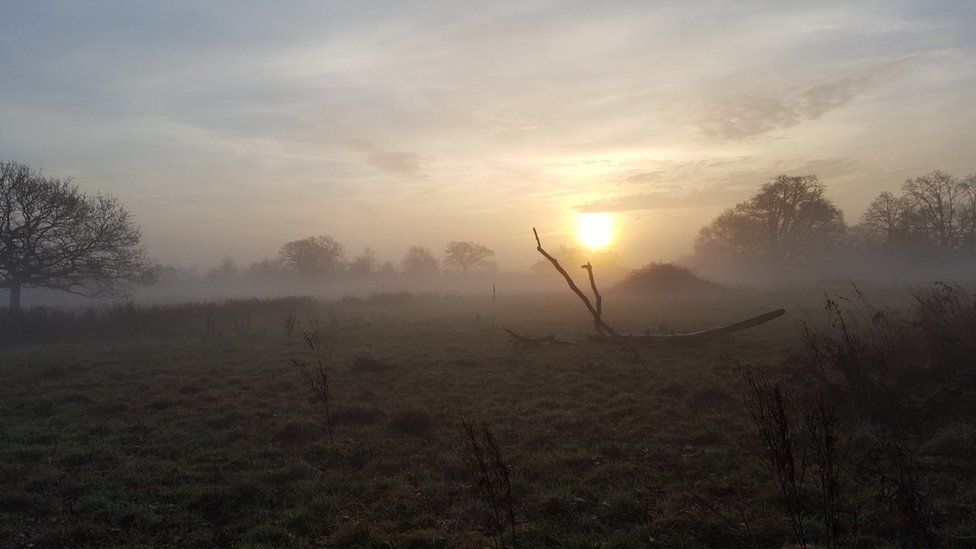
(317, 374)
(190, 388)
(492, 480)
(367, 364)
(159, 405)
(224, 503)
(461, 363)
(357, 415)
(842, 436)
(75, 398)
(709, 397)
(903, 372)
(410, 422)
(657, 278)
(125, 320)
(296, 433)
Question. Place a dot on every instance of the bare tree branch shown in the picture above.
(606, 334)
(598, 322)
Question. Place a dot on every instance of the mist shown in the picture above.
(507, 274)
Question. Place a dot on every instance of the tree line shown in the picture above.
(790, 225)
(52, 235)
(323, 257)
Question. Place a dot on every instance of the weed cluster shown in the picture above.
(492, 475)
(316, 376)
(866, 371)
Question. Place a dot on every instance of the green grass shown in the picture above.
(181, 439)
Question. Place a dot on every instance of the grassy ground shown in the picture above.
(201, 432)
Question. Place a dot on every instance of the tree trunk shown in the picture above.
(15, 296)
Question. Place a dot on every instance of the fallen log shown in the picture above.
(607, 334)
(691, 338)
(537, 341)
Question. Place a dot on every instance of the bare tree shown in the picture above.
(227, 270)
(885, 218)
(939, 200)
(420, 261)
(54, 236)
(316, 255)
(789, 220)
(795, 217)
(968, 188)
(730, 237)
(364, 264)
(465, 256)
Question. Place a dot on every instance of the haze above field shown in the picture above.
(230, 128)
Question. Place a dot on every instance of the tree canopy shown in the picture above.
(464, 257)
(419, 261)
(54, 236)
(788, 221)
(313, 256)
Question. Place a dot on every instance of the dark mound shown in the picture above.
(664, 278)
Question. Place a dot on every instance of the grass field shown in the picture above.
(199, 431)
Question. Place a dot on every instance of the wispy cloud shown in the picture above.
(394, 162)
(744, 115)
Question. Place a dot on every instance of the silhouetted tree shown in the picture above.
(419, 261)
(364, 264)
(968, 187)
(463, 257)
(789, 220)
(313, 256)
(939, 201)
(889, 221)
(731, 236)
(227, 270)
(54, 236)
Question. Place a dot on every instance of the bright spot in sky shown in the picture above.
(595, 230)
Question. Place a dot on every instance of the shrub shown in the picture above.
(658, 278)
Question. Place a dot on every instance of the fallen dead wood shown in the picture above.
(597, 312)
(607, 334)
(537, 341)
(691, 338)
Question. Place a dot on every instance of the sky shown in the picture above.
(229, 128)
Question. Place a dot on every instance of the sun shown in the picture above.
(595, 230)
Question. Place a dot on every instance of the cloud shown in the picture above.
(713, 183)
(399, 163)
(664, 201)
(745, 115)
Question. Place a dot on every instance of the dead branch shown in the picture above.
(692, 338)
(601, 326)
(596, 293)
(537, 341)
(606, 334)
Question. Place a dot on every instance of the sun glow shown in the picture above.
(595, 230)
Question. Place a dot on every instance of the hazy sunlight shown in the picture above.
(595, 230)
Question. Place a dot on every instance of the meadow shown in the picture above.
(190, 425)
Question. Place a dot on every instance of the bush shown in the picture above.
(893, 367)
(658, 278)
